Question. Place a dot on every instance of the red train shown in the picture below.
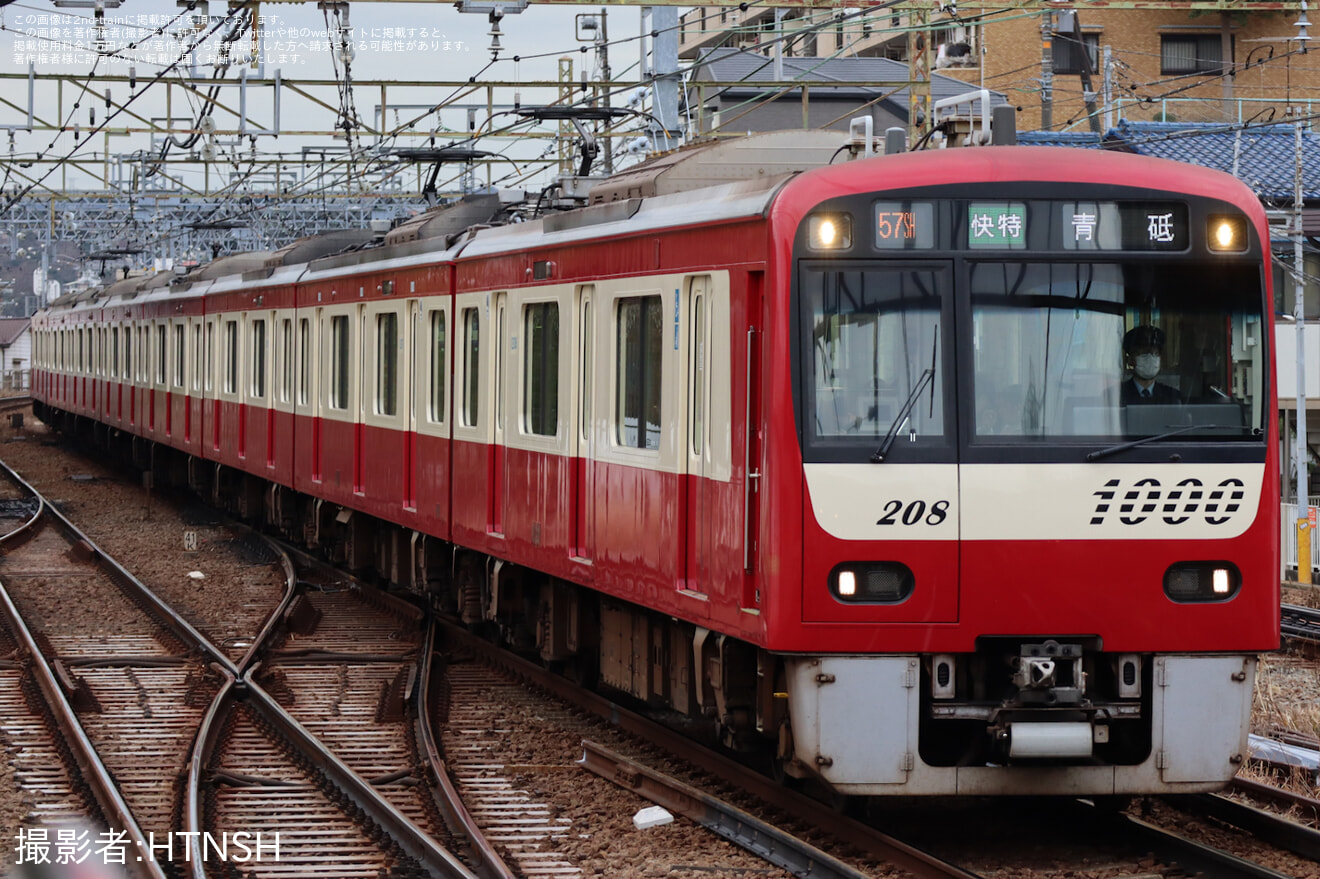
(850, 462)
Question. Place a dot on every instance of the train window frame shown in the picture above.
(699, 370)
(304, 361)
(286, 360)
(337, 396)
(162, 358)
(210, 356)
(230, 355)
(437, 348)
(180, 355)
(258, 338)
(471, 409)
(199, 357)
(540, 378)
(127, 373)
(387, 364)
(642, 376)
(587, 293)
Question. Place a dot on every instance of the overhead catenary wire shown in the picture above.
(160, 75)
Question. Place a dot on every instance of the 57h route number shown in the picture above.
(914, 513)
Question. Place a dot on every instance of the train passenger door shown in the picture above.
(696, 442)
(583, 446)
(359, 422)
(416, 349)
(497, 461)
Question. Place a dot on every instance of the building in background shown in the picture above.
(1147, 65)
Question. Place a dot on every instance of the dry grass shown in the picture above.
(1285, 695)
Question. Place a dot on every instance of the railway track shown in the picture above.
(176, 729)
(131, 674)
(1092, 828)
(1301, 624)
(249, 768)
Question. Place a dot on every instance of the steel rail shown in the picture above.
(94, 772)
(879, 844)
(1168, 847)
(208, 734)
(290, 589)
(782, 849)
(1270, 794)
(155, 607)
(1274, 829)
(1302, 623)
(408, 835)
(489, 863)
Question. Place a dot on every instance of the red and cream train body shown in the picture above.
(834, 460)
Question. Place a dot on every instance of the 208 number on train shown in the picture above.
(914, 513)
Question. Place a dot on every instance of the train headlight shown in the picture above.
(1227, 234)
(1202, 581)
(829, 232)
(871, 582)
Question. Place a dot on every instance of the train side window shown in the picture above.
(198, 358)
(697, 345)
(231, 357)
(541, 368)
(339, 362)
(114, 352)
(387, 363)
(162, 353)
(128, 353)
(438, 361)
(587, 341)
(210, 355)
(259, 359)
(471, 361)
(286, 360)
(305, 360)
(640, 346)
(180, 355)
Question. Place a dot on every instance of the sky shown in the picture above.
(427, 42)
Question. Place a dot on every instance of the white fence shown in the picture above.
(1288, 534)
(15, 381)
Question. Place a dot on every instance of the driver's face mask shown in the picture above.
(1146, 366)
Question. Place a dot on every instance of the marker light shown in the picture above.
(847, 583)
(1202, 581)
(871, 582)
(829, 232)
(1227, 233)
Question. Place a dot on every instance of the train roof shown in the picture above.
(770, 154)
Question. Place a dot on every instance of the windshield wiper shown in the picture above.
(1123, 447)
(900, 419)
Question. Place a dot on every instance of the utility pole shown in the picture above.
(1046, 70)
(1108, 87)
(1084, 62)
(603, 54)
(1299, 319)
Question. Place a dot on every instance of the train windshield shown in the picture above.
(1113, 350)
(875, 332)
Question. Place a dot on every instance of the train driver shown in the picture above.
(1142, 348)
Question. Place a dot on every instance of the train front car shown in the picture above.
(1038, 493)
